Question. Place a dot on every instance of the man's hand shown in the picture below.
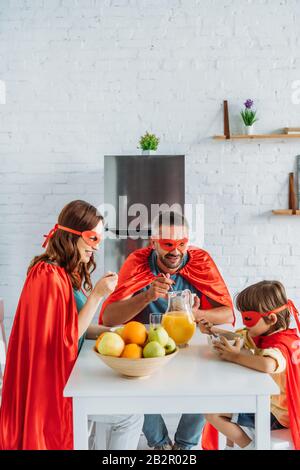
(226, 351)
(159, 288)
(199, 315)
(205, 327)
(196, 306)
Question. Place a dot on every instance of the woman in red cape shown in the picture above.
(47, 332)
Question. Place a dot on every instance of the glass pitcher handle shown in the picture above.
(190, 297)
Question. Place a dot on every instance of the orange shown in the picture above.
(134, 332)
(132, 351)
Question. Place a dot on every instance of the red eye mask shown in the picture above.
(90, 237)
(170, 245)
(251, 318)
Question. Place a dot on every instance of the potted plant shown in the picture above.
(249, 116)
(149, 143)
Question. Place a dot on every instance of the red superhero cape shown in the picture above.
(200, 271)
(287, 341)
(42, 350)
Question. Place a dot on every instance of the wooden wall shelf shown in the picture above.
(228, 136)
(286, 212)
(257, 136)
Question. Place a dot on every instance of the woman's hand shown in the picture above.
(106, 285)
(227, 351)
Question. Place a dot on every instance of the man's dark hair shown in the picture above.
(169, 219)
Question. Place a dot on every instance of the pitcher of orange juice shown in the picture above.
(178, 319)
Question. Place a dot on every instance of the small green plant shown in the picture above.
(149, 142)
(248, 114)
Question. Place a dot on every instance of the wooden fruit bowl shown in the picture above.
(142, 367)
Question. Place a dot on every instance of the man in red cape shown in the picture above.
(148, 273)
(144, 280)
(47, 343)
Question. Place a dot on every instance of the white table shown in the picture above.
(196, 381)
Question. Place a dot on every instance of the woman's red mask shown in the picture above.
(171, 245)
(251, 317)
(90, 237)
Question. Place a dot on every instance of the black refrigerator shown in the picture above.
(136, 188)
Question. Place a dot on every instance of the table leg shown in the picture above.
(80, 425)
(262, 423)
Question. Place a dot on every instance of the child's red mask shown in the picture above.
(171, 245)
(251, 318)
(90, 237)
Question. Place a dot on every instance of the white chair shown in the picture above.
(97, 432)
(99, 441)
(3, 344)
(281, 439)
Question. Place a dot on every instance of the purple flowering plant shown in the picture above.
(248, 114)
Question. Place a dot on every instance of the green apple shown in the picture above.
(158, 334)
(154, 349)
(170, 346)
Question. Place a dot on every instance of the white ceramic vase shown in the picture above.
(149, 152)
(249, 130)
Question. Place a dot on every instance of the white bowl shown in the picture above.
(229, 335)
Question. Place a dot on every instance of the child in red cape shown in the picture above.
(266, 314)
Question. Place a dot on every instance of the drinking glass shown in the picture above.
(155, 320)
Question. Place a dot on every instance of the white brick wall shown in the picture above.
(85, 78)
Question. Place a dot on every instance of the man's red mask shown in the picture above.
(171, 245)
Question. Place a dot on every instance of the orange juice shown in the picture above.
(179, 326)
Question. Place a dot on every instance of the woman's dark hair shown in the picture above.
(62, 246)
(263, 297)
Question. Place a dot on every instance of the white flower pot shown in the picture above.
(249, 130)
(149, 152)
